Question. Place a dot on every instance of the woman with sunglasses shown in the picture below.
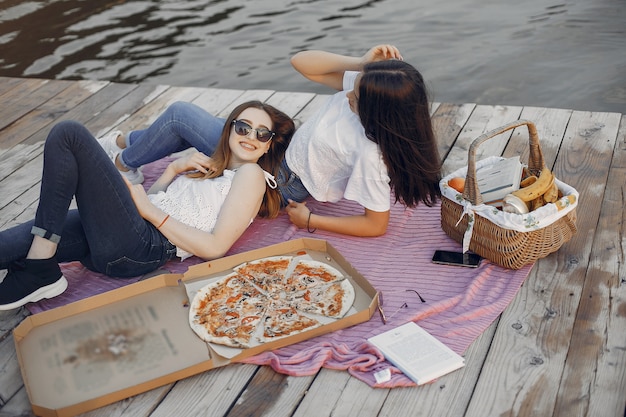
(370, 140)
(120, 230)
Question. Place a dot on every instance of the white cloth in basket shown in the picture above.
(534, 220)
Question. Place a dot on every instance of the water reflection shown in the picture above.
(532, 53)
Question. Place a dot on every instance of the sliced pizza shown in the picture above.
(267, 273)
(309, 273)
(228, 311)
(330, 300)
(282, 320)
(263, 301)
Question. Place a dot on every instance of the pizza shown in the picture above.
(268, 299)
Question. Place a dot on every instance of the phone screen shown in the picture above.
(456, 258)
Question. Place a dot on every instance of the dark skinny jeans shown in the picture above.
(106, 233)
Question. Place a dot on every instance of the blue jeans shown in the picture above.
(181, 126)
(106, 233)
(184, 125)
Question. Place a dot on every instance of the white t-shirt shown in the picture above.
(334, 159)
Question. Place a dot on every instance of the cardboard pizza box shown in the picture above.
(124, 342)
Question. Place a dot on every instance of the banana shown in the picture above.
(537, 203)
(528, 181)
(552, 194)
(538, 188)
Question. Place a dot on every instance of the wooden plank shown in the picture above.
(522, 372)
(447, 121)
(20, 209)
(248, 95)
(271, 394)
(15, 107)
(144, 116)
(16, 158)
(18, 405)
(39, 119)
(123, 108)
(551, 125)
(17, 101)
(312, 107)
(594, 379)
(324, 394)
(20, 180)
(290, 102)
(138, 406)
(359, 399)
(483, 119)
(210, 393)
(10, 377)
(217, 101)
(9, 320)
(8, 83)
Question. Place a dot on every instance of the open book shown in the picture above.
(417, 353)
(497, 180)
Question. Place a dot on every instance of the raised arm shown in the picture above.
(327, 68)
(240, 207)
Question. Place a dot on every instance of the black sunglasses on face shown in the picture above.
(262, 134)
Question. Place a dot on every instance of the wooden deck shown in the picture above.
(559, 349)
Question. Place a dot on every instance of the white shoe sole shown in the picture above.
(49, 291)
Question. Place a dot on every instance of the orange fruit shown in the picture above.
(457, 183)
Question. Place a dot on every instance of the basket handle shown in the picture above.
(536, 162)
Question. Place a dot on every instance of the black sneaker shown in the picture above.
(31, 280)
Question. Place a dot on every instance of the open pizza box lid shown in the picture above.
(112, 346)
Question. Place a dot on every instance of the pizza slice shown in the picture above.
(228, 311)
(267, 273)
(310, 273)
(330, 300)
(282, 320)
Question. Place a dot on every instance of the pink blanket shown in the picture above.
(460, 302)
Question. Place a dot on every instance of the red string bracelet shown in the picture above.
(163, 222)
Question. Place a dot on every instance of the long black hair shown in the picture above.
(394, 109)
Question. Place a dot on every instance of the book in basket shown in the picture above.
(417, 353)
(498, 180)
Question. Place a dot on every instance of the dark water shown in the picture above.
(536, 52)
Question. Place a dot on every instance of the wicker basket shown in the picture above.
(495, 240)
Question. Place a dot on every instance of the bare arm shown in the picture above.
(241, 205)
(327, 68)
(370, 223)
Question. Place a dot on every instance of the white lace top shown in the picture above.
(195, 202)
(334, 159)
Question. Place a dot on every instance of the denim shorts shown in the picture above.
(290, 185)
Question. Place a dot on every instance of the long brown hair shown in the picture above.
(283, 128)
(394, 109)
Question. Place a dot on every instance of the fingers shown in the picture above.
(383, 52)
(390, 52)
(196, 161)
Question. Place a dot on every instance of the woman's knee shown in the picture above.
(66, 130)
(180, 108)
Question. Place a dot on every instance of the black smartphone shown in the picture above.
(446, 257)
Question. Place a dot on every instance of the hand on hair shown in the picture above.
(196, 161)
(381, 53)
